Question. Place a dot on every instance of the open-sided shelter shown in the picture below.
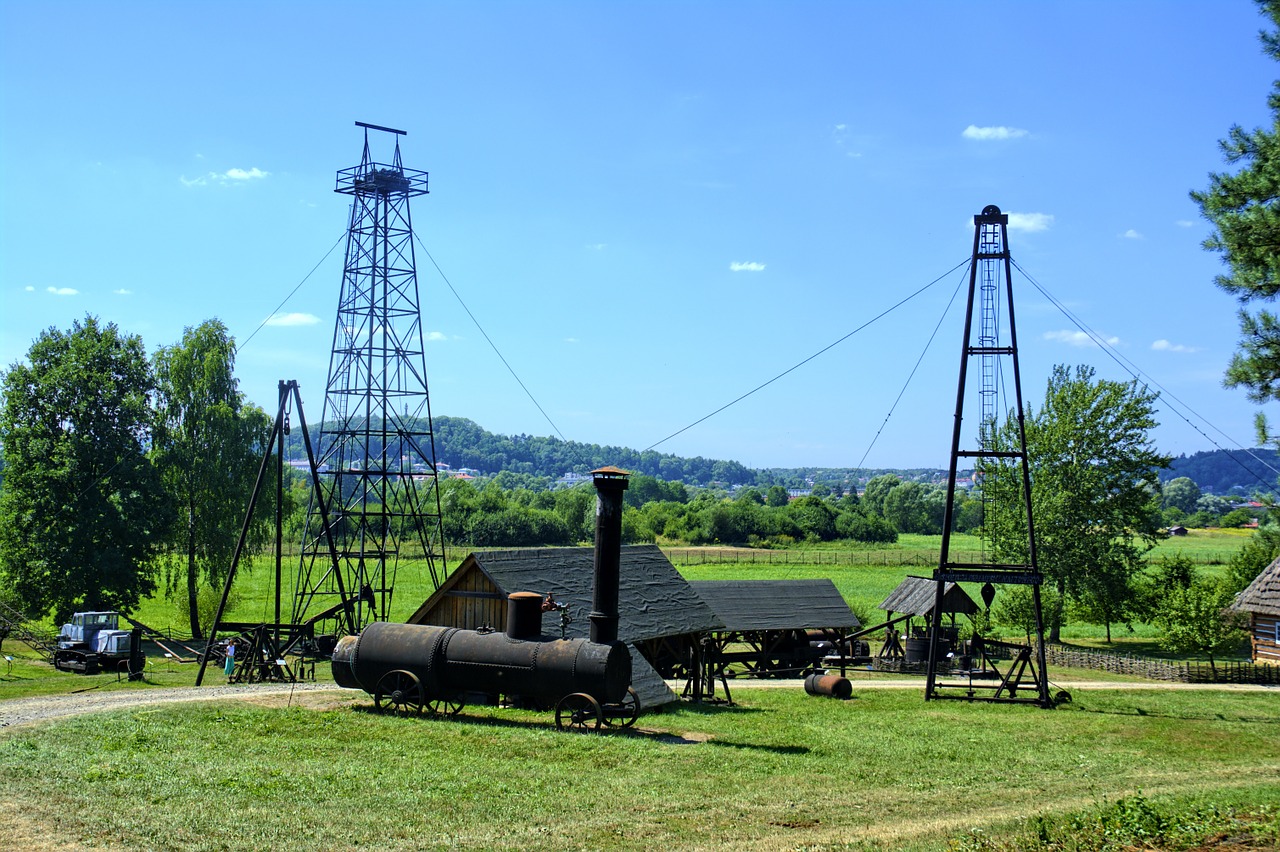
(655, 603)
(915, 597)
(1261, 601)
(774, 628)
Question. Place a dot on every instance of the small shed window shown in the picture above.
(1276, 626)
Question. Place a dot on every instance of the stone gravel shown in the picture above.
(29, 711)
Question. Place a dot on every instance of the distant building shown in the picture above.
(1261, 601)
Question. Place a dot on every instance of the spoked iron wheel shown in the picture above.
(399, 692)
(625, 712)
(578, 712)
(444, 706)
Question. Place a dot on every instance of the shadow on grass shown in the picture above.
(1146, 713)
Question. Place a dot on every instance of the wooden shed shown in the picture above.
(914, 598)
(1261, 601)
(655, 604)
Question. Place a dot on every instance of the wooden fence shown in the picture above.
(1149, 667)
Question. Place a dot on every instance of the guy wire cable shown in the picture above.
(919, 360)
(291, 292)
(1138, 374)
(821, 351)
(492, 345)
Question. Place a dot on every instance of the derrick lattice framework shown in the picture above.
(377, 448)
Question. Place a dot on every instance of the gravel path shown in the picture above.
(27, 711)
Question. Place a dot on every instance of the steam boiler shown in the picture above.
(413, 667)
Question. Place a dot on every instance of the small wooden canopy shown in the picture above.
(915, 596)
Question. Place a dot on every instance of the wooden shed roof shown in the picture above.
(776, 604)
(1263, 594)
(653, 599)
(916, 595)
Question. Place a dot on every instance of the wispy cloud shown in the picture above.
(29, 288)
(571, 340)
(1030, 222)
(840, 135)
(63, 291)
(122, 292)
(990, 134)
(294, 319)
(1163, 345)
(1078, 338)
(748, 266)
(1184, 223)
(1131, 234)
(597, 246)
(230, 176)
(436, 336)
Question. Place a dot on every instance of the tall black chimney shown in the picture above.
(610, 482)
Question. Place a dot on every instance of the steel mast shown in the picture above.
(989, 267)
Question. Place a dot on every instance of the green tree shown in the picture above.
(877, 490)
(208, 445)
(1197, 620)
(1242, 208)
(1180, 493)
(776, 496)
(83, 513)
(1093, 481)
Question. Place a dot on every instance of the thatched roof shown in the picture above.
(776, 604)
(915, 596)
(1263, 594)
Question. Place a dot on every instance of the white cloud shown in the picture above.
(597, 246)
(571, 340)
(987, 134)
(1078, 338)
(749, 266)
(436, 336)
(1131, 234)
(225, 178)
(63, 291)
(241, 174)
(29, 288)
(123, 292)
(286, 320)
(1166, 346)
(1030, 222)
(1184, 223)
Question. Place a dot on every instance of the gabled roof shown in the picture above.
(916, 595)
(653, 599)
(1263, 594)
(776, 604)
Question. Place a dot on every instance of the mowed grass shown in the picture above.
(780, 770)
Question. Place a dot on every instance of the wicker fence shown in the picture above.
(1134, 665)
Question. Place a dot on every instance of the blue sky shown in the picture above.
(651, 208)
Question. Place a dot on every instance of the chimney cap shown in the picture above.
(610, 472)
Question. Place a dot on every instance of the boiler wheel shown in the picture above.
(579, 712)
(625, 712)
(444, 706)
(399, 692)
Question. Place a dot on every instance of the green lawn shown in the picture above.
(780, 770)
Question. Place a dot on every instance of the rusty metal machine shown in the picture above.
(411, 667)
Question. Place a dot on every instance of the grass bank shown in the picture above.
(781, 770)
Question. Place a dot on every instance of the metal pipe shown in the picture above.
(610, 482)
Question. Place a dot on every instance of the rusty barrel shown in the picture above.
(833, 685)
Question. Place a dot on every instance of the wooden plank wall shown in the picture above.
(474, 601)
(1263, 635)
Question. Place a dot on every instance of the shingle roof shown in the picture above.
(776, 604)
(916, 595)
(1263, 594)
(653, 599)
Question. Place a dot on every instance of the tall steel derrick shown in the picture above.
(377, 452)
(997, 453)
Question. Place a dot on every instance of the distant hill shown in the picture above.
(1221, 471)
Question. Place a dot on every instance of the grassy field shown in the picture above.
(780, 770)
